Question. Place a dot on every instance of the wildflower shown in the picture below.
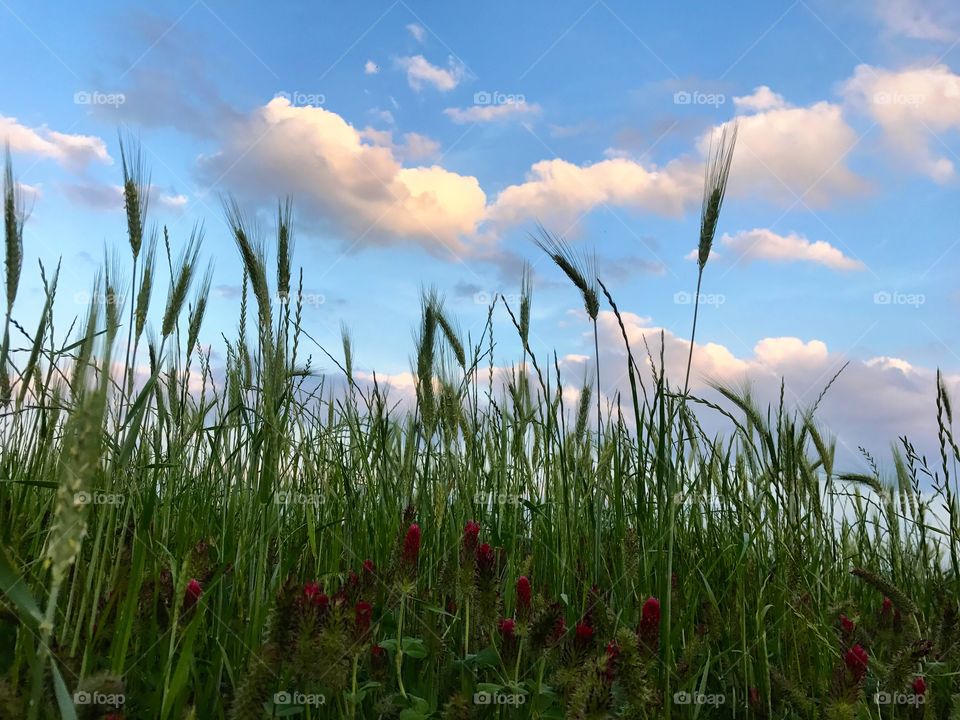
(368, 567)
(507, 628)
(362, 612)
(485, 560)
(192, 594)
(753, 700)
(650, 623)
(847, 626)
(523, 595)
(471, 533)
(411, 545)
(583, 634)
(559, 629)
(310, 590)
(856, 661)
(919, 685)
(379, 662)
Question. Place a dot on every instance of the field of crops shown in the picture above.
(262, 540)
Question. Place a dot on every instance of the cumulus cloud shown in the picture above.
(762, 98)
(561, 191)
(421, 72)
(491, 113)
(874, 400)
(370, 67)
(764, 244)
(349, 180)
(71, 151)
(912, 106)
(788, 152)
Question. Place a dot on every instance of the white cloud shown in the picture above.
(104, 196)
(420, 72)
(72, 151)
(762, 98)
(491, 113)
(912, 106)
(920, 19)
(764, 244)
(560, 191)
(417, 31)
(349, 180)
(788, 152)
(371, 68)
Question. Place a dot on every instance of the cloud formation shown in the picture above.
(491, 113)
(420, 72)
(72, 151)
(764, 244)
(911, 106)
(348, 180)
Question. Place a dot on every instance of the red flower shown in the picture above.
(523, 593)
(311, 590)
(887, 606)
(507, 628)
(369, 567)
(377, 652)
(919, 685)
(650, 623)
(192, 594)
(613, 652)
(856, 661)
(363, 612)
(411, 545)
(847, 626)
(471, 532)
(583, 634)
(485, 560)
(753, 698)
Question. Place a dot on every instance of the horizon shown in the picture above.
(419, 150)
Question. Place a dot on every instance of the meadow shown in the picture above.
(267, 540)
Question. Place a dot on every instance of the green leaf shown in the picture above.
(14, 586)
(68, 710)
(414, 648)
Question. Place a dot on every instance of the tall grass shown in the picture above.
(200, 542)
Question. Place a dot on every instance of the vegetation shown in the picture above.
(181, 544)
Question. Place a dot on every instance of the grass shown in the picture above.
(177, 544)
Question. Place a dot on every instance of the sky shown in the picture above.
(421, 143)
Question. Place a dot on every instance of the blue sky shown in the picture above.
(421, 142)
